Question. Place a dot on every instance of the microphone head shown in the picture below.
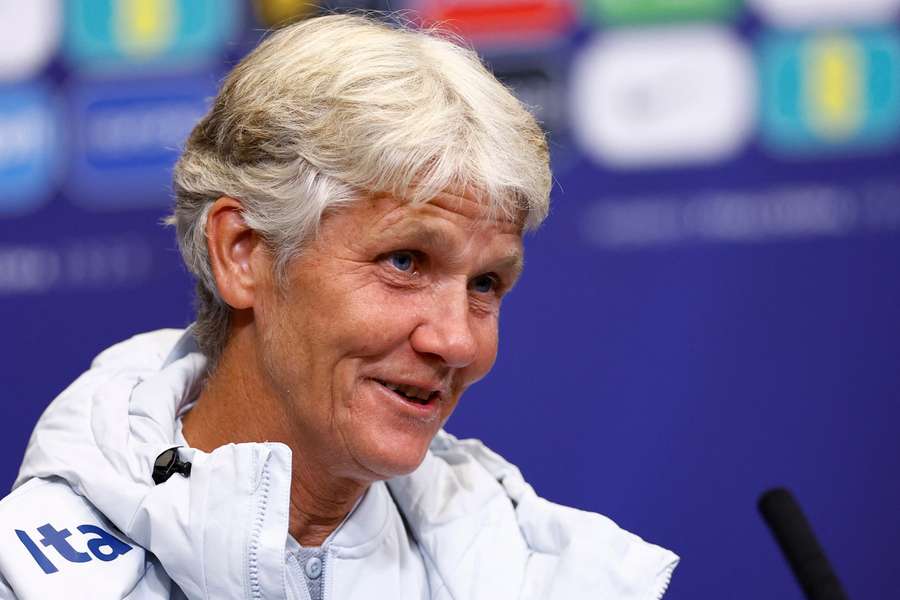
(797, 541)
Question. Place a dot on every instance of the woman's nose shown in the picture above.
(446, 329)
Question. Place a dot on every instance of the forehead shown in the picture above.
(466, 212)
(458, 230)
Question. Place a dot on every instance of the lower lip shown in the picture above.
(427, 411)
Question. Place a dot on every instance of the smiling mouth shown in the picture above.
(411, 393)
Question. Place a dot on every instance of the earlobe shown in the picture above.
(234, 253)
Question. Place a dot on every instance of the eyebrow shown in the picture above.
(515, 263)
(424, 234)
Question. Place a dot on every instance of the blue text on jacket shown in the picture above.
(103, 546)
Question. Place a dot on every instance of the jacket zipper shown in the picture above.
(255, 533)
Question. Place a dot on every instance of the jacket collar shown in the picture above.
(220, 533)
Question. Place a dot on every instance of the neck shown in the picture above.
(236, 406)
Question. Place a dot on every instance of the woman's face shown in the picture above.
(387, 317)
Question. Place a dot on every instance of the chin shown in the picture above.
(387, 435)
(394, 458)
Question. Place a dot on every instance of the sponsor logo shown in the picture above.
(29, 34)
(29, 154)
(660, 97)
(128, 134)
(803, 13)
(618, 12)
(830, 91)
(518, 23)
(101, 545)
(276, 13)
(103, 34)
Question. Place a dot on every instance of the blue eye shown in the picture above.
(402, 261)
(485, 284)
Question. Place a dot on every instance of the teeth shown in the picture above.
(409, 391)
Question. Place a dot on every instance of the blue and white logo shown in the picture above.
(29, 35)
(128, 135)
(29, 154)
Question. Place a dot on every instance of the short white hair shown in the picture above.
(341, 107)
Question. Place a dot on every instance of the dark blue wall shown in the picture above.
(686, 334)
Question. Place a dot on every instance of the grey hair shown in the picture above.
(341, 107)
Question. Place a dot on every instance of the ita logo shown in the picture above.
(96, 543)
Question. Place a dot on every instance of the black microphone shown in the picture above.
(798, 543)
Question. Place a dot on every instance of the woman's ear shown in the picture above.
(239, 261)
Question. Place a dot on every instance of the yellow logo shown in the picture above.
(835, 90)
(145, 27)
(276, 13)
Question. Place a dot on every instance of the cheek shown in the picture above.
(490, 347)
(375, 321)
(486, 332)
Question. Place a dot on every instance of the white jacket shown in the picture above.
(85, 519)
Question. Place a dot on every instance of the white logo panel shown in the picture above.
(29, 34)
(801, 13)
(663, 96)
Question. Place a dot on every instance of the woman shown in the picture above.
(353, 208)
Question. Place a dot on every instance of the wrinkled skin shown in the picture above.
(392, 293)
(388, 294)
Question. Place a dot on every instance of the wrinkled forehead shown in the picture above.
(455, 220)
(479, 211)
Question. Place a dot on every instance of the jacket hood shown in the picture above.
(465, 505)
